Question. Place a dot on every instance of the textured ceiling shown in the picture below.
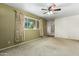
(67, 9)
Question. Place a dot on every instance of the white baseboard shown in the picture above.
(67, 38)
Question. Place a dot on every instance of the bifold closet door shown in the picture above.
(50, 28)
(7, 21)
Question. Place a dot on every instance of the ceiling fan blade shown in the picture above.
(44, 12)
(43, 9)
(57, 9)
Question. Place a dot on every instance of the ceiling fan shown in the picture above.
(51, 9)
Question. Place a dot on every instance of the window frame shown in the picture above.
(36, 26)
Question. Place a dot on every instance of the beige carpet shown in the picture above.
(47, 46)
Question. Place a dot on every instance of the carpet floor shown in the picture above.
(46, 46)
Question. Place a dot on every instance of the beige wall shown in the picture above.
(31, 34)
(7, 26)
(67, 27)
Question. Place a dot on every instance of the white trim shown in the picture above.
(30, 17)
(17, 44)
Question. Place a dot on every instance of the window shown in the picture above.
(31, 23)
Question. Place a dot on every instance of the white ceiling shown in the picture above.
(67, 9)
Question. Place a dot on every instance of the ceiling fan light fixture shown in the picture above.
(50, 13)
